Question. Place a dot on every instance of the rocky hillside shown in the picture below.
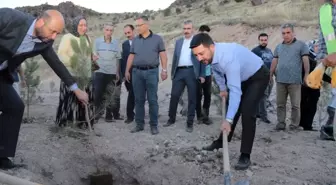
(68, 9)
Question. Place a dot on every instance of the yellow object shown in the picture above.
(314, 79)
(333, 78)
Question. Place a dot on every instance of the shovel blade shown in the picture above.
(242, 183)
(227, 179)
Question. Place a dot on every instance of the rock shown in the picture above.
(331, 166)
(166, 143)
(249, 173)
(198, 157)
(207, 166)
(255, 167)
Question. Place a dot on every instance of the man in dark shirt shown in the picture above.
(146, 51)
(267, 56)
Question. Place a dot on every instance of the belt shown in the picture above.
(184, 67)
(145, 67)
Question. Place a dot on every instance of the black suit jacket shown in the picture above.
(14, 26)
(126, 48)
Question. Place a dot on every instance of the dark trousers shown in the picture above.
(252, 91)
(116, 108)
(11, 113)
(309, 99)
(130, 100)
(203, 89)
(145, 82)
(183, 77)
(104, 86)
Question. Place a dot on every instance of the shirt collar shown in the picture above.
(150, 34)
(31, 31)
(294, 40)
(189, 38)
(214, 61)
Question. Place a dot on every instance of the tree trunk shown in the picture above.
(87, 117)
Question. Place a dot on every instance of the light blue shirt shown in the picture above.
(27, 45)
(109, 55)
(208, 70)
(238, 63)
(185, 59)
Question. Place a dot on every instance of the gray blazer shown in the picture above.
(199, 68)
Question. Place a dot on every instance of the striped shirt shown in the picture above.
(322, 47)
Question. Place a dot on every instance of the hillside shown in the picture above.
(57, 156)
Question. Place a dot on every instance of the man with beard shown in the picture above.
(21, 37)
(267, 56)
(126, 48)
(247, 79)
(186, 71)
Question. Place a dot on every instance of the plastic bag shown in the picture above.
(333, 78)
(314, 79)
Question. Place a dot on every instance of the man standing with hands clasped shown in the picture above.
(247, 79)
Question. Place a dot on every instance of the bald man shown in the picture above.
(21, 37)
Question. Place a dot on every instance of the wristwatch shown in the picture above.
(164, 70)
(229, 120)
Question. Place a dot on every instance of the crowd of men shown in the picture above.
(244, 77)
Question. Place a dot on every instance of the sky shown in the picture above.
(103, 6)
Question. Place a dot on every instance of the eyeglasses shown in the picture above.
(139, 25)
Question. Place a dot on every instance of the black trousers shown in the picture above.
(183, 77)
(252, 91)
(309, 99)
(130, 100)
(101, 82)
(11, 113)
(203, 89)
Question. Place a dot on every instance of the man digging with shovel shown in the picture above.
(247, 78)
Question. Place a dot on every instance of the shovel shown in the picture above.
(226, 160)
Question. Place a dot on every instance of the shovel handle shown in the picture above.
(226, 160)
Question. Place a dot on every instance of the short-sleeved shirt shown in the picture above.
(109, 55)
(265, 54)
(289, 68)
(147, 50)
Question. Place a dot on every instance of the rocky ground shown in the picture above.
(57, 156)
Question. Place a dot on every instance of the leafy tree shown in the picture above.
(32, 82)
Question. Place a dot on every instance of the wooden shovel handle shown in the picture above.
(226, 160)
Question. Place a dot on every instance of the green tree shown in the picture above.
(32, 82)
(167, 12)
(82, 71)
(83, 74)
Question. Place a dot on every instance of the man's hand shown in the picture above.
(23, 83)
(82, 96)
(95, 57)
(305, 79)
(223, 94)
(128, 76)
(330, 60)
(164, 75)
(117, 78)
(202, 80)
(226, 126)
